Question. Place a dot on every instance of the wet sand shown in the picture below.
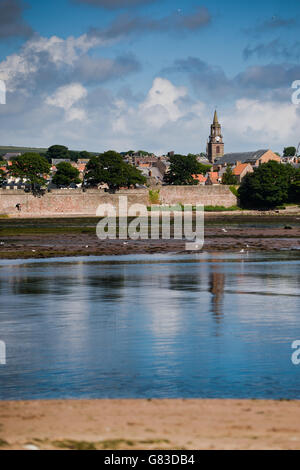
(75, 242)
(150, 424)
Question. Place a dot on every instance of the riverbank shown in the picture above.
(61, 237)
(150, 424)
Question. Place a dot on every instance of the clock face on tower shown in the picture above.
(218, 139)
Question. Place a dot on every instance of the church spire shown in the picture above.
(216, 118)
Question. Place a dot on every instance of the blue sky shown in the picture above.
(100, 74)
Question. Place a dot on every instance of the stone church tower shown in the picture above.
(215, 145)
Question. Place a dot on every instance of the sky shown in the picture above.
(148, 74)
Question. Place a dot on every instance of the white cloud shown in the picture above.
(162, 102)
(65, 97)
(266, 123)
(60, 50)
(167, 118)
(44, 54)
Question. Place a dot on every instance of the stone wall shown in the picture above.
(76, 202)
(217, 195)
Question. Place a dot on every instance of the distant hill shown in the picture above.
(5, 150)
(10, 149)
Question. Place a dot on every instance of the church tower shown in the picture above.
(215, 145)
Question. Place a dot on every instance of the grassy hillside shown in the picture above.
(4, 150)
(10, 149)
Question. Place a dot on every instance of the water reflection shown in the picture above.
(217, 284)
(203, 326)
(109, 287)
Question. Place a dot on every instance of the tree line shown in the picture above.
(107, 168)
(270, 185)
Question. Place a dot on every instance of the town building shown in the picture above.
(203, 159)
(154, 171)
(200, 178)
(56, 161)
(254, 158)
(213, 178)
(241, 170)
(215, 145)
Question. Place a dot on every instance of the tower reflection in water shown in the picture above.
(216, 288)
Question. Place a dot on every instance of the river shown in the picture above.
(156, 326)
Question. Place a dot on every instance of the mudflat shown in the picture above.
(59, 237)
(150, 424)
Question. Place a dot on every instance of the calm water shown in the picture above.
(207, 325)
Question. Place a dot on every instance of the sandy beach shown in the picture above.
(150, 424)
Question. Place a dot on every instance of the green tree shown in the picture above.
(228, 177)
(84, 154)
(66, 174)
(58, 152)
(32, 167)
(73, 155)
(182, 169)
(203, 168)
(289, 151)
(267, 187)
(2, 176)
(294, 195)
(111, 169)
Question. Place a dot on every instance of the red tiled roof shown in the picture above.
(214, 177)
(200, 178)
(238, 170)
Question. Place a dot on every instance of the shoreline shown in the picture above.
(38, 238)
(150, 424)
(288, 212)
